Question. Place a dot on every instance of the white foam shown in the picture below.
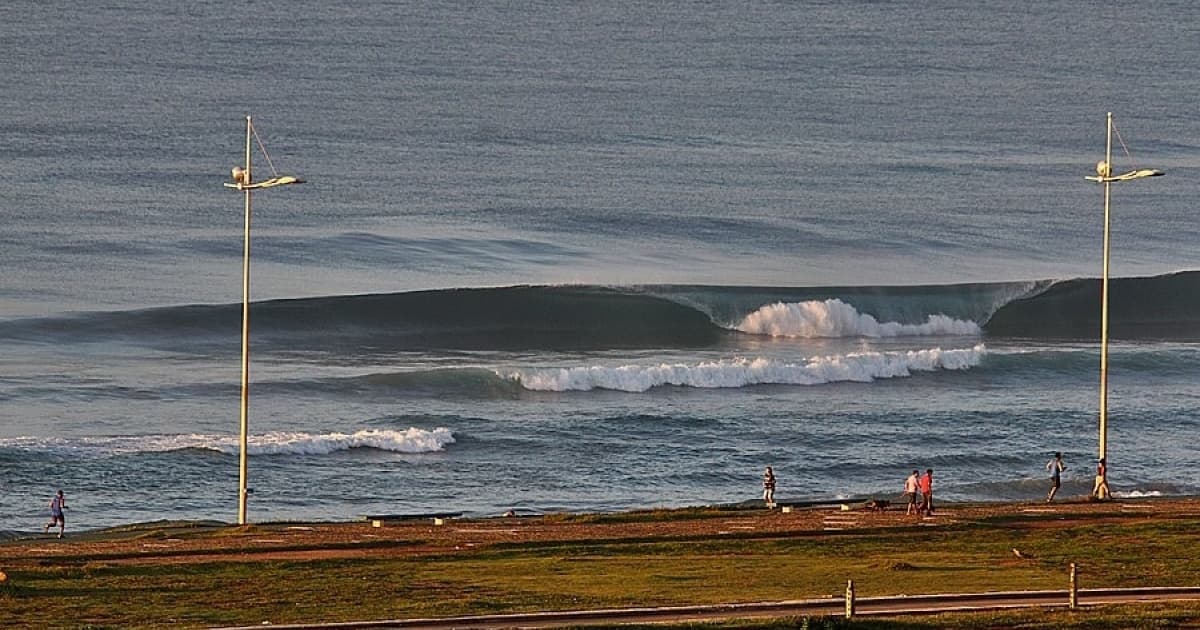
(835, 318)
(1134, 494)
(741, 372)
(412, 440)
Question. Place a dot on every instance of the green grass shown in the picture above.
(595, 574)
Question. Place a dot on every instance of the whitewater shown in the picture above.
(740, 372)
(412, 440)
(835, 318)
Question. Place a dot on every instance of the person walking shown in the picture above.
(769, 487)
(910, 492)
(1100, 490)
(926, 486)
(1056, 467)
(57, 505)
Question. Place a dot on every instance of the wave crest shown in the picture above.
(835, 318)
(412, 440)
(741, 372)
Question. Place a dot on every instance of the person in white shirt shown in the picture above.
(910, 492)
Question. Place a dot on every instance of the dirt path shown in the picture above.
(162, 543)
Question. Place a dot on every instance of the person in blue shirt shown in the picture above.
(1055, 466)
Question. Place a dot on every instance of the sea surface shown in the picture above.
(590, 256)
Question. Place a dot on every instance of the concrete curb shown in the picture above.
(892, 605)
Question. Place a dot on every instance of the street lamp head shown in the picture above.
(1104, 174)
(1139, 174)
(242, 182)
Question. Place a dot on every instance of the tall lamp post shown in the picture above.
(242, 181)
(1105, 176)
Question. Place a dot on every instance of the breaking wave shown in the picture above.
(856, 367)
(835, 318)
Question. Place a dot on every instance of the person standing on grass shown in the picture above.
(910, 492)
(57, 505)
(1055, 466)
(769, 487)
(926, 486)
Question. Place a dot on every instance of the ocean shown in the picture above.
(568, 256)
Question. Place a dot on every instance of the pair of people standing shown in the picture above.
(918, 489)
(1056, 467)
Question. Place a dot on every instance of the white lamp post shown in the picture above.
(242, 181)
(1104, 175)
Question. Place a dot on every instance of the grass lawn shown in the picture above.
(101, 592)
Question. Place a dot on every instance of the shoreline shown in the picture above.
(748, 506)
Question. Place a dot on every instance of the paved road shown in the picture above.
(812, 607)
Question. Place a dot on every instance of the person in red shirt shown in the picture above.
(926, 485)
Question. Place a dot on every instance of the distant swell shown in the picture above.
(412, 440)
(858, 367)
(663, 316)
(835, 318)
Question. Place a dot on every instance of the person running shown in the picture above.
(1100, 491)
(910, 492)
(1056, 467)
(926, 486)
(57, 505)
(769, 487)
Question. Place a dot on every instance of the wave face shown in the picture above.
(1159, 307)
(659, 316)
(856, 367)
(412, 440)
(501, 318)
(834, 318)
